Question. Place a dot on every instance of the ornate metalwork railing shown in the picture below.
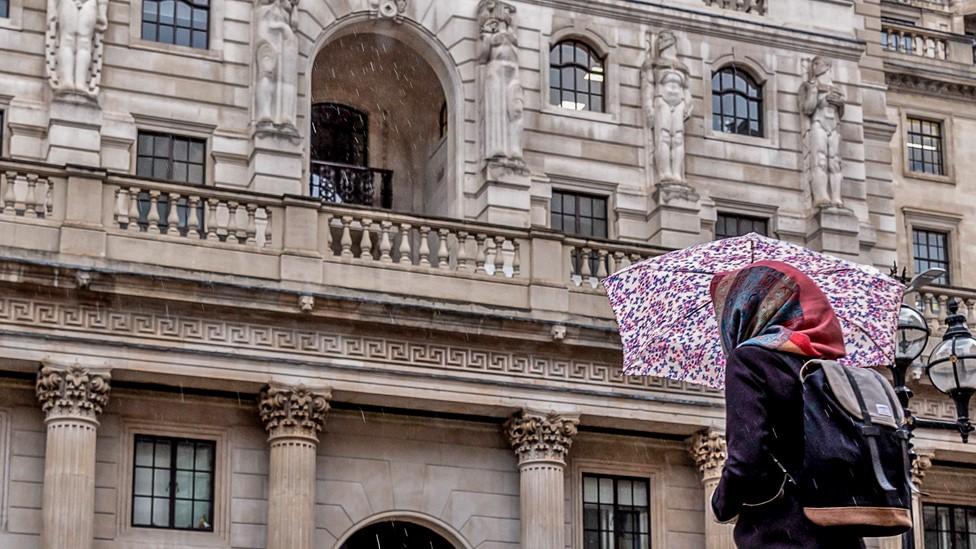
(346, 184)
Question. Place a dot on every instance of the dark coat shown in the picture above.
(764, 418)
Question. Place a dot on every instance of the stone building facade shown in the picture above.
(312, 274)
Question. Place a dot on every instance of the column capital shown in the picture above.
(921, 465)
(708, 450)
(538, 436)
(293, 411)
(72, 391)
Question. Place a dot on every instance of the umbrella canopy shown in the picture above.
(667, 323)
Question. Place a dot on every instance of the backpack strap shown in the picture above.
(871, 432)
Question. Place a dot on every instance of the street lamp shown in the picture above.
(913, 336)
(952, 367)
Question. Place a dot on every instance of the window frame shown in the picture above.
(739, 218)
(593, 53)
(952, 507)
(215, 39)
(615, 504)
(933, 263)
(175, 26)
(762, 67)
(603, 43)
(926, 220)
(939, 137)
(752, 84)
(654, 473)
(205, 165)
(948, 167)
(576, 216)
(173, 441)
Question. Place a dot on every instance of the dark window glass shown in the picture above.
(925, 146)
(340, 134)
(442, 119)
(728, 225)
(579, 214)
(576, 76)
(615, 513)
(931, 251)
(180, 22)
(172, 483)
(171, 157)
(949, 526)
(4, 8)
(736, 103)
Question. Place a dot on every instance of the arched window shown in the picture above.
(737, 102)
(576, 76)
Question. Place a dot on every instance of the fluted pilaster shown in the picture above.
(708, 450)
(293, 417)
(71, 398)
(541, 442)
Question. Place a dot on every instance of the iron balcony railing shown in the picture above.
(347, 184)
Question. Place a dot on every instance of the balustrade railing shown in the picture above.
(192, 213)
(916, 42)
(748, 6)
(591, 261)
(345, 184)
(25, 194)
(933, 302)
(438, 245)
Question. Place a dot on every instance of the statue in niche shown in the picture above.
(502, 98)
(667, 107)
(276, 66)
(75, 30)
(822, 106)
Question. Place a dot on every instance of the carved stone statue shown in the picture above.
(74, 46)
(822, 105)
(667, 106)
(502, 97)
(276, 62)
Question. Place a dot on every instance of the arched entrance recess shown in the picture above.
(408, 88)
(402, 530)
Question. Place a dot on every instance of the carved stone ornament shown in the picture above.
(667, 107)
(822, 106)
(72, 391)
(541, 437)
(276, 67)
(502, 101)
(388, 9)
(709, 452)
(920, 466)
(298, 409)
(74, 47)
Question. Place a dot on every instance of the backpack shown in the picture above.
(855, 466)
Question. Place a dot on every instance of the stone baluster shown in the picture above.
(134, 215)
(479, 258)
(708, 451)
(424, 248)
(122, 207)
(345, 241)
(406, 253)
(153, 216)
(10, 193)
(293, 417)
(499, 257)
(232, 236)
(621, 261)
(193, 217)
(210, 220)
(251, 233)
(542, 441)
(267, 227)
(386, 245)
(173, 215)
(462, 251)
(516, 259)
(30, 200)
(443, 255)
(71, 398)
(585, 270)
(366, 240)
(44, 205)
(601, 269)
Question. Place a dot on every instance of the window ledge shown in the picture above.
(740, 139)
(607, 117)
(943, 179)
(173, 49)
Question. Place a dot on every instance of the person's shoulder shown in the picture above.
(754, 354)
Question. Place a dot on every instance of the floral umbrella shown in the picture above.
(667, 322)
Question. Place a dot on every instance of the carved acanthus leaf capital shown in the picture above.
(72, 391)
(708, 450)
(296, 410)
(541, 437)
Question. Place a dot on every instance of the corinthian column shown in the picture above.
(293, 416)
(541, 442)
(707, 449)
(71, 398)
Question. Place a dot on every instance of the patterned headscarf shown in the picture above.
(773, 305)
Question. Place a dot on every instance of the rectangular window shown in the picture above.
(171, 157)
(579, 214)
(180, 22)
(729, 225)
(949, 526)
(925, 150)
(173, 483)
(931, 251)
(616, 513)
(4, 8)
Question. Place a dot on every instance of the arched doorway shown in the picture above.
(402, 103)
(396, 534)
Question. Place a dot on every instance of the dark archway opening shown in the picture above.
(396, 534)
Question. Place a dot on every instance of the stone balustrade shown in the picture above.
(757, 7)
(933, 302)
(915, 41)
(26, 194)
(590, 261)
(406, 241)
(193, 213)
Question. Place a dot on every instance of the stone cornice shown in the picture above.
(289, 411)
(72, 392)
(929, 84)
(708, 450)
(541, 437)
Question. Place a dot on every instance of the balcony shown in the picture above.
(337, 183)
(939, 46)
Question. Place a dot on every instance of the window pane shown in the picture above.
(179, 171)
(204, 457)
(606, 490)
(184, 456)
(144, 453)
(150, 10)
(161, 482)
(141, 511)
(160, 512)
(589, 489)
(184, 484)
(201, 515)
(194, 174)
(576, 77)
(143, 482)
(201, 486)
(183, 514)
